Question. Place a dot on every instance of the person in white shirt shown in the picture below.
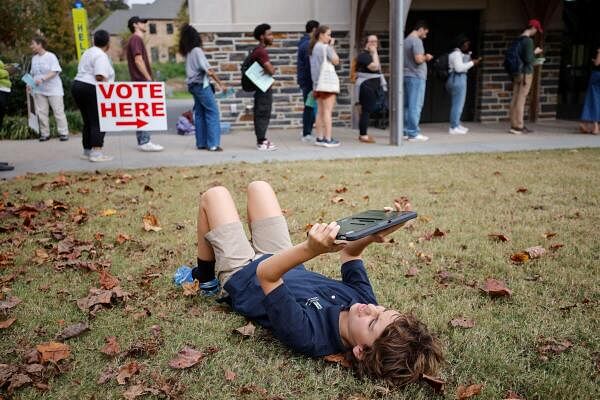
(459, 63)
(94, 66)
(48, 91)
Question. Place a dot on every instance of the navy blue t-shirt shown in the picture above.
(304, 312)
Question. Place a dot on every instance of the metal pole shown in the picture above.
(397, 20)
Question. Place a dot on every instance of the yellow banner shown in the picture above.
(80, 27)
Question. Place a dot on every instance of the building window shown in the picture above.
(154, 54)
(172, 54)
(153, 29)
(169, 29)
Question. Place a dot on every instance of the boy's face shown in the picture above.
(366, 322)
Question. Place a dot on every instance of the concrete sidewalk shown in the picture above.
(53, 156)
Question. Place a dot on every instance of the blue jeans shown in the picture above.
(206, 115)
(143, 137)
(457, 87)
(414, 96)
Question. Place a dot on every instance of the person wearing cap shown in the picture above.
(140, 71)
(522, 81)
(459, 64)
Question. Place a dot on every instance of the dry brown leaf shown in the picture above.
(520, 257)
(550, 235)
(426, 258)
(73, 331)
(111, 348)
(246, 330)
(511, 395)
(548, 347)
(437, 384)
(17, 381)
(466, 392)
(127, 371)
(10, 303)
(106, 376)
(134, 391)
(108, 212)
(522, 189)
(107, 281)
(462, 322)
(191, 288)
(556, 246)
(495, 288)
(148, 188)
(338, 358)
(151, 223)
(7, 323)
(53, 351)
(41, 255)
(535, 252)
(412, 271)
(343, 189)
(251, 388)
(122, 238)
(337, 199)
(499, 237)
(186, 358)
(230, 375)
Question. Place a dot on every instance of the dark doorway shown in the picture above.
(581, 34)
(444, 27)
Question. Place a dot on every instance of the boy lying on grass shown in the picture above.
(264, 280)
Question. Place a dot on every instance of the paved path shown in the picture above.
(54, 156)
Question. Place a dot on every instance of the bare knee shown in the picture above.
(214, 194)
(258, 186)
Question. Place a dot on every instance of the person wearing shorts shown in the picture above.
(264, 279)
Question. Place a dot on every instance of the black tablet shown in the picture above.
(369, 222)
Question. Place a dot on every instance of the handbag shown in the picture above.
(328, 79)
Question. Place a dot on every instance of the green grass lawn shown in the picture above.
(466, 196)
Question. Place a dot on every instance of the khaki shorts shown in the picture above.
(233, 250)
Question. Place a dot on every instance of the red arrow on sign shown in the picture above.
(137, 123)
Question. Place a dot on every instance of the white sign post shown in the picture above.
(126, 106)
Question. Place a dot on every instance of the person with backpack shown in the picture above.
(518, 63)
(459, 63)
(305, 81)
(370, 86)
(263, 101)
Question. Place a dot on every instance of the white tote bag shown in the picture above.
(328, 79)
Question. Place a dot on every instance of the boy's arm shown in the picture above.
(321, 239)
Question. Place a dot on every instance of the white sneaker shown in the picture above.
(464, 128)
(418, 138)
(266, 146)
(456, 131)
(307, 138)
(99, 157)
(150, 147)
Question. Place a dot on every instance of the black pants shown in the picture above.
(363, 122)
(263, 103)
(368, 101)
(85, 98)
(3, 104)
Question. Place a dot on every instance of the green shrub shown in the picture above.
(17, 128)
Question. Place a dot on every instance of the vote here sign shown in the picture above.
(126, 106)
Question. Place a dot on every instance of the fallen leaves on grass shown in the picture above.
(548, 347)
(437, 384)
(528, 254)
(426, 258)
(338, 358)
(412, 271)
(466, 392)
(190, 288)
(73, 331)
(100, 297)
(230, 375)
(186, 358)
(343, 189)
(53, 351)
(111, 348)
(107, 281)
(556, 246)
(122, 238)
(246, 330)
(511, 395)
(522, 189)
(519, 257)
(6, 324)
(495, 288)
(151, 223)
(11, 302)
(436, 234)
(127, 371)
(108, 212)
(500, 237)
(252, 388)
(549, 235)
(462, 322)
(337, 199)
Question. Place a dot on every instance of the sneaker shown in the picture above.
(150, 147)
(99, 157)
(456, 131)
(63, 138)
(331, 143)
(527, 130)
(319, 142)
(6, 167)
(418, 138)
(215, 148)
(210, 288)
(44, 138)
(516, 131)
(464, 128)
(307, 138)
(266, 146)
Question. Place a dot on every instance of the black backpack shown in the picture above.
(440, 67)
(513, 63)
(247, 84)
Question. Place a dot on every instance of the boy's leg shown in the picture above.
(269, 229)
(221, 236)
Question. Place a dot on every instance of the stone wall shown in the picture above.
(226, 51)
(495, 88)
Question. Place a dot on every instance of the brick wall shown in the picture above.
(226, 51)
(495, 88)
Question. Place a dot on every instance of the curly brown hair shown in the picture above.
(402, 354)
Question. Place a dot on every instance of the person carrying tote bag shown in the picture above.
(326, 83)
